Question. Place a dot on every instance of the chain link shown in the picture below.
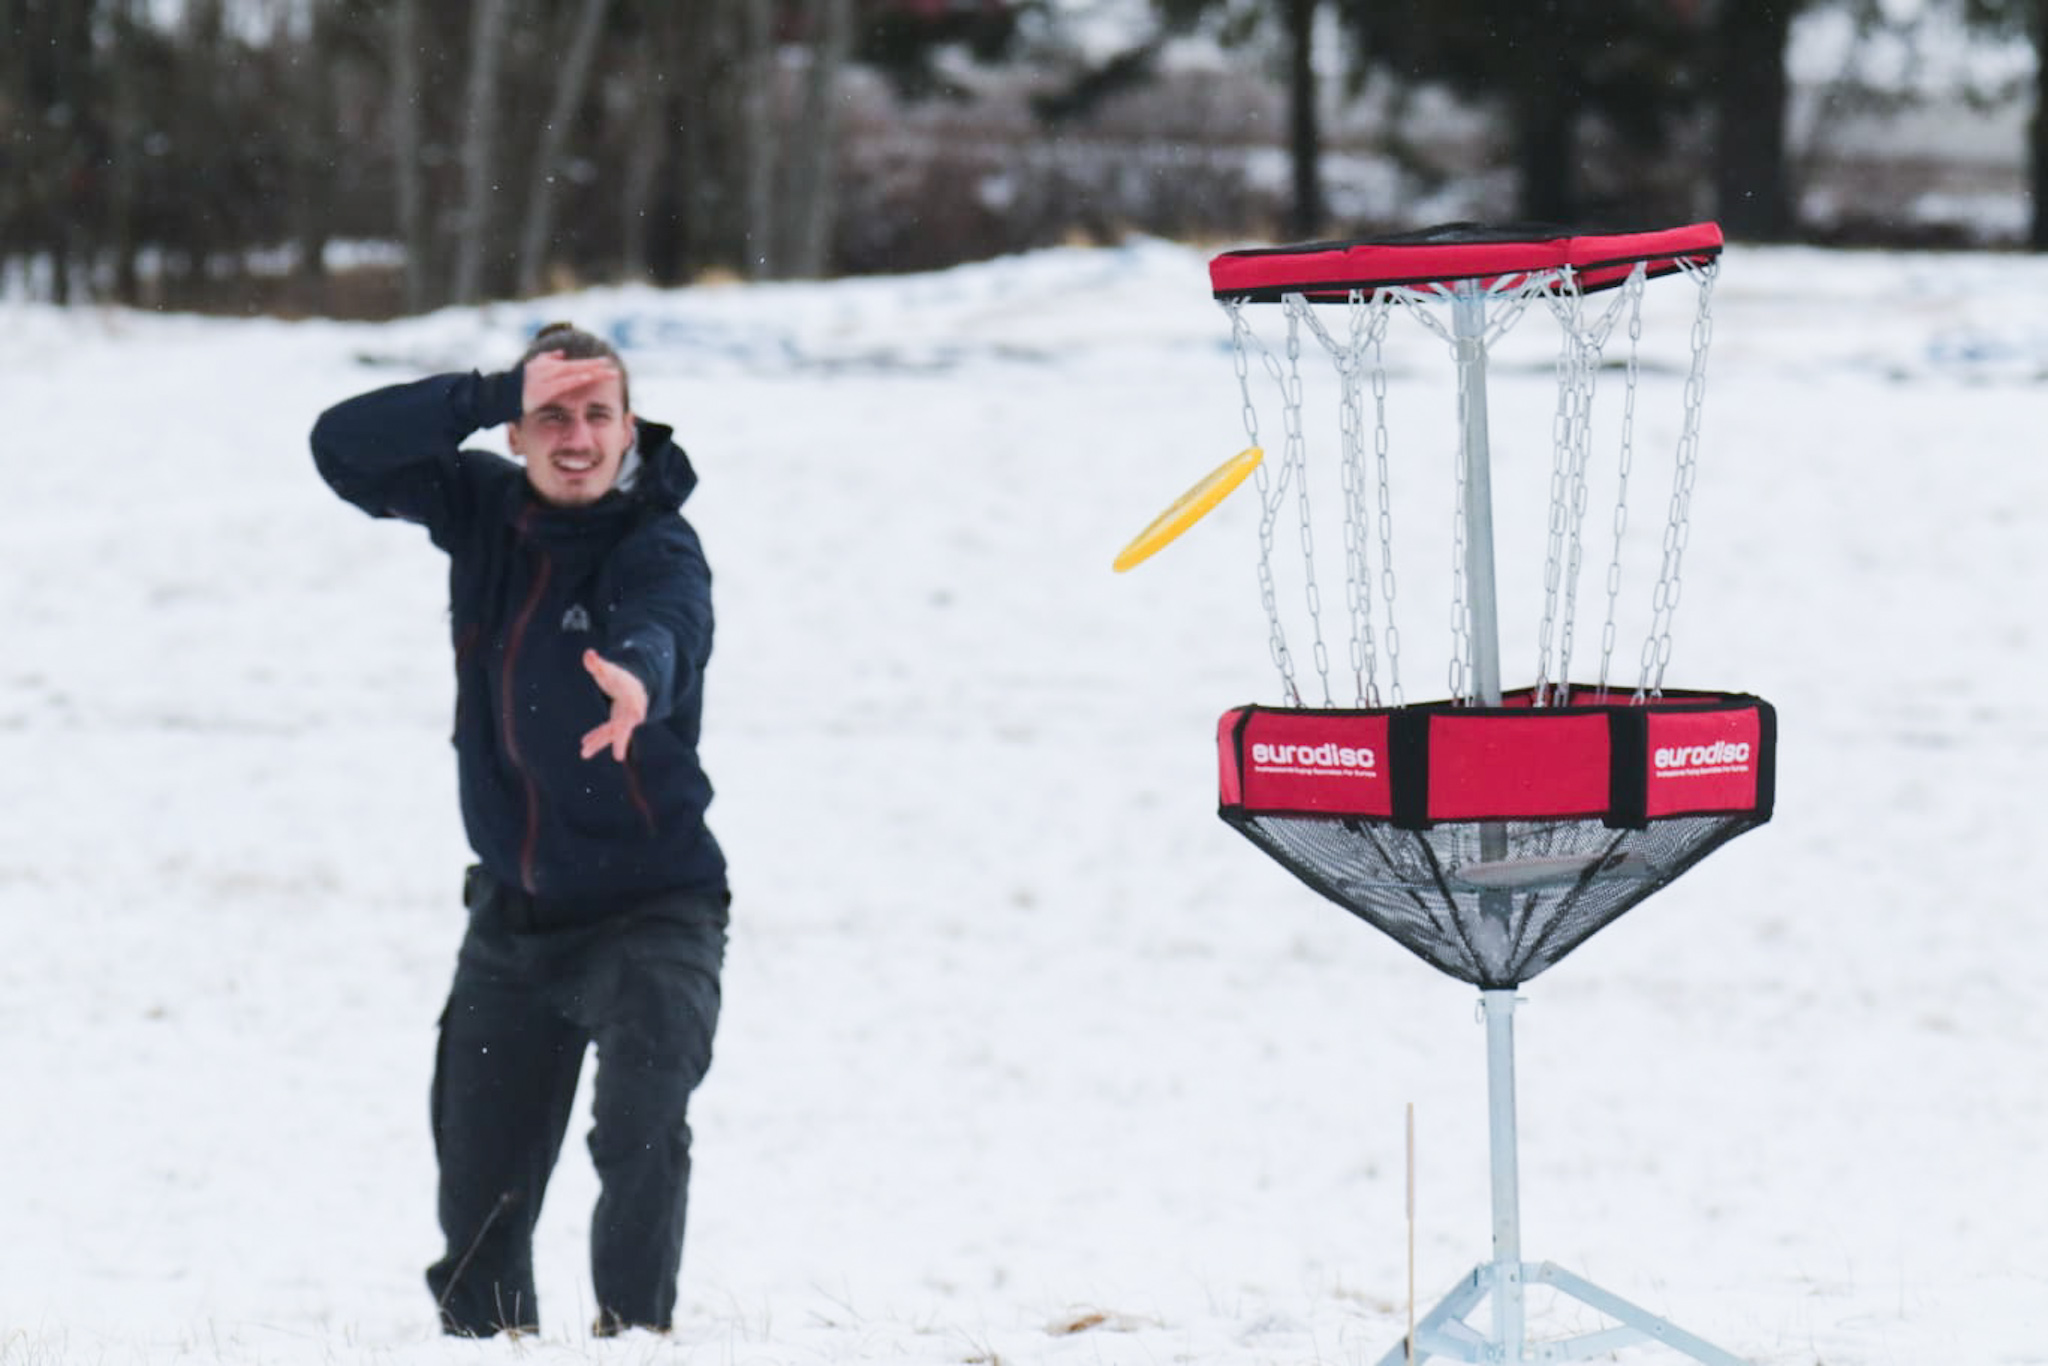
(1241, 340)
(1461, 626)
(1565, 423)
(1625, 463)
(1678, 528)
(1368, 320)
(1512, 299)
(1375, 341)
(1357, 572)
(1588, 343)
(1271, 492)
(1297, 461)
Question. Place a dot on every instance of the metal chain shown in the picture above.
(1367, 324)
(1357, 571)
(1626, 461)
(1586, 375)
(1565, 425)
(1506, 302)
(1513, 299)
(1461, 627)
(1360, 359)
(1297, 460)
(1657, 649)
(1271, 491)
(1375, 340)
(1628, 300)
(1241, 342)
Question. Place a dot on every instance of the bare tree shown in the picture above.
(757, 142)
(2037, 133)
(809, 201)
(572, 79)
(1752, 192)
(1304, 128)
(126, 116)
(488, 21)
(645, 127)
(407, 173)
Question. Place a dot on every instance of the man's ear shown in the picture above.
(512, 438)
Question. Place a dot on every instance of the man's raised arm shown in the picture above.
(393, 451)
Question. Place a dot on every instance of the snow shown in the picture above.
(1026, 1057)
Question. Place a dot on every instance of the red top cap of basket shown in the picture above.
(1328, 272)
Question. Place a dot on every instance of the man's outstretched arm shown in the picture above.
(658, 638)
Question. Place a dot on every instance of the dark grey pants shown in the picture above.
(530, 995)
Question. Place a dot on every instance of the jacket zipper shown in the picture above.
(638, 795)
(529, 847)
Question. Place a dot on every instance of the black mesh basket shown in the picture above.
(1493, 841)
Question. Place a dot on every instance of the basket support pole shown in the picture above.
(1508, 1318)
(1443, 1331)
(1468, 327)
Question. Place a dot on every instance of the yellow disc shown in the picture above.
(1189, 508)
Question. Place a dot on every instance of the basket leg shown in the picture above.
(1639, 1324)
(1443, 1332)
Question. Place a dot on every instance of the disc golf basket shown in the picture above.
(1490, 833)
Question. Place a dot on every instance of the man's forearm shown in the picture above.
(390, 451)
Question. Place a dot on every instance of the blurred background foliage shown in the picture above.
(375, 157)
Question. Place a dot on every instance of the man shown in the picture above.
(581, 612)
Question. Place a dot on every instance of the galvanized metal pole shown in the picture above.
(1508, 1316)
(1468, 316)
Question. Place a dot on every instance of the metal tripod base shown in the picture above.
(1443, 1332)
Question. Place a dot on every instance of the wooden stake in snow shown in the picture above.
(1411, 1233)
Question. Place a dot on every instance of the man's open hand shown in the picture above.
(629, 706)
(550, 375)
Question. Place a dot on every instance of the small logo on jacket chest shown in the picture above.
(577, 618)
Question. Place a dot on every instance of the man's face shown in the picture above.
(574, 445)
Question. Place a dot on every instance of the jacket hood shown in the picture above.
(666, 476)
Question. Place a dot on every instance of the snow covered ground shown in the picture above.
(1026, 1057)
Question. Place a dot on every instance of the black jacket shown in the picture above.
(530, 587)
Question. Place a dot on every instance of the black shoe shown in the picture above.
(610, 1325)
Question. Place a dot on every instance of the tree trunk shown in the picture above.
(662, 160)
(479, 129)
(646, 139)
(127, 129)
(572, 78)
(1546, 114)
(760, 242)
(2037, 134)
(406, 172)
(1303, 126)
(810, 200)
(54, 160)
(1752, 195)
(313, 158)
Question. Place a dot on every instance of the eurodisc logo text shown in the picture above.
(1328, 758)
(1685, 761)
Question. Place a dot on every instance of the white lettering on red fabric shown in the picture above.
(1688, 761)
(1328, 759)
